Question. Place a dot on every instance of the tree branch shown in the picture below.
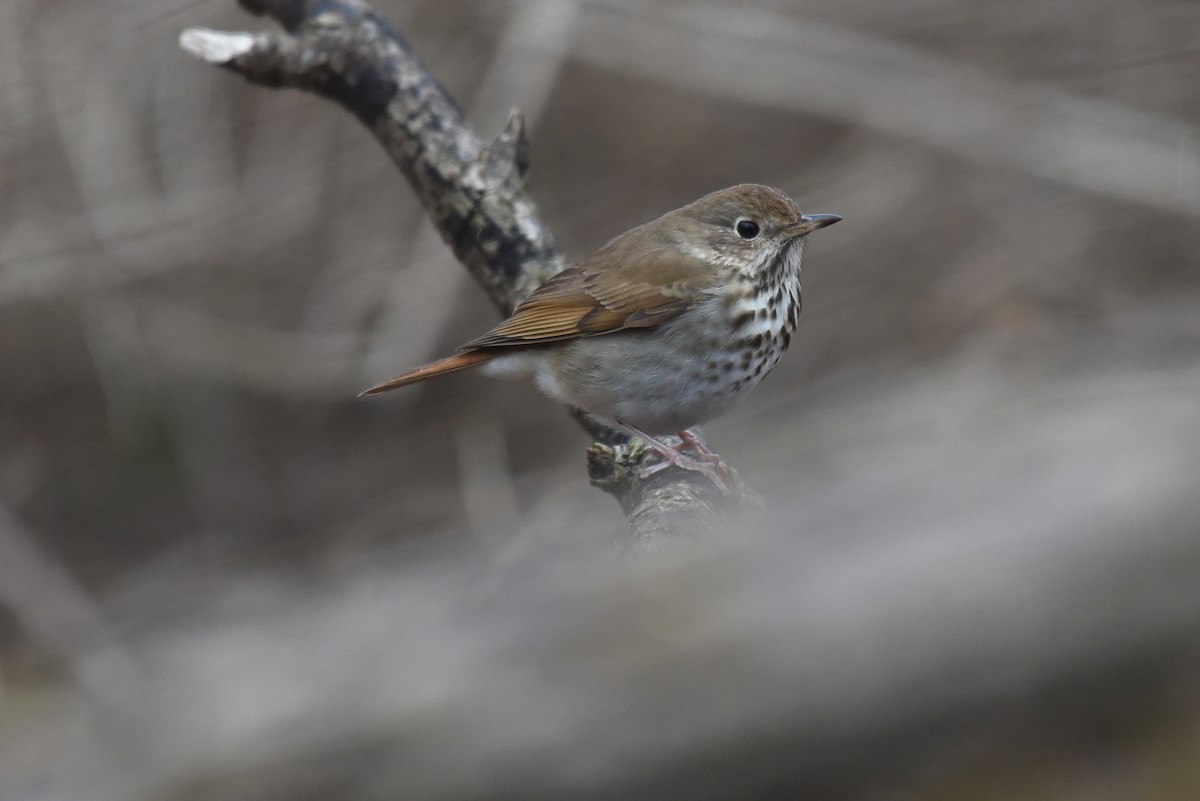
(345, 51)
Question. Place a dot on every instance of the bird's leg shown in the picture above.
(709, 464)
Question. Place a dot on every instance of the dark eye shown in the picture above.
(747, 229)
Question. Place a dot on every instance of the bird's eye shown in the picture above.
(746, 229)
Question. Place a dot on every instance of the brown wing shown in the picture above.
(614, 290)
(635, 281)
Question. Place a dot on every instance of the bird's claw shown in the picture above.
(691, 442)
(706, 461)
(709, 465)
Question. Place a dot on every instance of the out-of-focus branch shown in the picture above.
(57, 613)
(474, 192)
(1098, 146)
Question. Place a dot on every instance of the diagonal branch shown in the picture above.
(474, 192)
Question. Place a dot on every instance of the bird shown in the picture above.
(663, 328)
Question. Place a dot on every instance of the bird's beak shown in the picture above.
(811, 222)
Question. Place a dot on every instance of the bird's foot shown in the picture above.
(706, 462)
(711, 467)
(691, 441)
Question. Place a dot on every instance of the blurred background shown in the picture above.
(976, 573)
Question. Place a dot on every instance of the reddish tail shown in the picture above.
(450, 364)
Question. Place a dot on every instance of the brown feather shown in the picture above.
(450, 364)
(622, 286)
(638, 280)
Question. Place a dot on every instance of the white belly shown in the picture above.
(661, 381)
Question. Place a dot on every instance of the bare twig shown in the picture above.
(474, 192)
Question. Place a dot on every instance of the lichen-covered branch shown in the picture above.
(475, 193)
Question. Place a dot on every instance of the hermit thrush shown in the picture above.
(666, 326)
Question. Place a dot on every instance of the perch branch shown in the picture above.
(474, 192)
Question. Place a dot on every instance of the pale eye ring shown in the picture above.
(746, 228)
